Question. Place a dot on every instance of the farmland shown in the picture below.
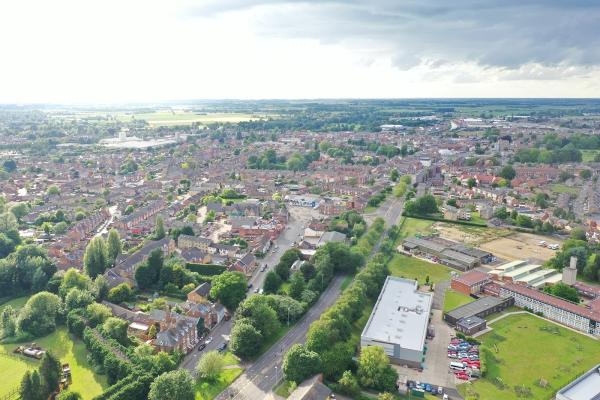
(516, 343)
(85, 381)
(170, 118)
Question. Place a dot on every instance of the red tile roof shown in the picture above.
(472, 277)
(554, 301)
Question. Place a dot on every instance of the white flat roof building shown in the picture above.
(586, 387)
(399, 321)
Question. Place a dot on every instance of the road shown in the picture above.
(262, 376)
(297, 221)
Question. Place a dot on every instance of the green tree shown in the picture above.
(211, 365)
(97, 313)
(116, 328)
(159, 230)
(246, 340)
(52, 190)
(585, 174)
(173, 385)
(8, 322)
(394, 175)
(348, 385)
(60, 228)
(578, 234)
(38, 316)
(8, 222)
(272, 282)
(337, 359)
(297, 285)
(120, 293)
(229, 288)
(95, 258)
(113, 246)
(78, 298)
(471, 182)
(563, 291)
(29, 389)
(68, 395)
(375, 371)
(50, 372)
(386, 396)
(508, 172)
(300, 363)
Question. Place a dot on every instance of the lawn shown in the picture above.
(455, 299)
(588, 155)
(413, 226)
(206, 390)
(17, 303)
(561, 188)
(284, 389)
(520, 340)
(85, 381)
(415, 268)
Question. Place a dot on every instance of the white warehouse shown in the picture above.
(399, 322)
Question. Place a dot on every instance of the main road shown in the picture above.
(264, 374)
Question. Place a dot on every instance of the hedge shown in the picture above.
(134, 387)
(450, 221)
(206, 269)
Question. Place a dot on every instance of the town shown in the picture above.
(435, 252)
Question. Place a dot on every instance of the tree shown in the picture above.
(282, 270)
(113, 246)
(348, 385)
(290, 256)
(38, 316)
(245, 339)
(585, 174)
(68, 395)
(300, 363)
(508, 172)
(501, 213)
(148, 272)
(8, 322)
(120, 293)
(97, 313)
(100, 287)
(272, 282)
(578, 234)
(52, 190)
(9, 165)
(374, 370)
(229, 288)
(210, 366)
(297, 285)
(74, 279)
(471, 182)
(394, 175)
(50, 372)
(386, 396)
(116, 328)
(337, 359)
(78, 298)
(60, 228)
(8, 222)
(29, 388)
(159, 230)
(20, 210)
(173, 385)
(95, 258)
(563, 291)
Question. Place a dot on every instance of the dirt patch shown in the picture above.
(471, 235)
(520, 246)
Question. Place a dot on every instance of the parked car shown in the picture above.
(222, 347)
(440, 390)
(208, 340)
(202, 346)
(428, 387)
(250, 286)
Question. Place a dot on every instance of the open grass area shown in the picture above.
(68, 350)
(347, 281)
(208, 390)
(588, 155)
(17, 303)
(414, 268)
(413, 226)
(180, 117)
(453, 299)
(284, 389)
(561, 188)
(534, 354)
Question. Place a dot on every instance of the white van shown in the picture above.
(458, 366)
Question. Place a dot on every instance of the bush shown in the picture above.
(206, 269)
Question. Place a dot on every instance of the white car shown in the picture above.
(208, 340)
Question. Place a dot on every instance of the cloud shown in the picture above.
(492, 33)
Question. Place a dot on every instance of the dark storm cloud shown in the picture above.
(499, 33)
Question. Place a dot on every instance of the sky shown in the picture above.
(109, 51)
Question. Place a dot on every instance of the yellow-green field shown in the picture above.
(534, 354)
(170, 118)
(206, 390)
(68, 350)
(453, 299)
(415, 268)
(588, 155)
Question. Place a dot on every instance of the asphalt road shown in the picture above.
(220, 333)
(262, 376)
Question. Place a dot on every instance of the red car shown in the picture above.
(461, 375)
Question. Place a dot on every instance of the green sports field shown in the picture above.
(85, 381)
(533, 356)
(414, 268)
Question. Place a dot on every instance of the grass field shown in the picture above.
(206, 390)
(588, 155)
(520, 340)
(85, 381)
(412, 226)
(455, 299)
(560, 188)
(414, 268)
(17, 303)
(169, 118)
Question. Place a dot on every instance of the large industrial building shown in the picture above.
(524, 273)
(446, 252)
(399, 322)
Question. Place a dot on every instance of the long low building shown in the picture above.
(554, 308)
(586, 387)
(479, 308)
(446, 252)
(399, 322)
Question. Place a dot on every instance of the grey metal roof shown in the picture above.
(471, 309)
